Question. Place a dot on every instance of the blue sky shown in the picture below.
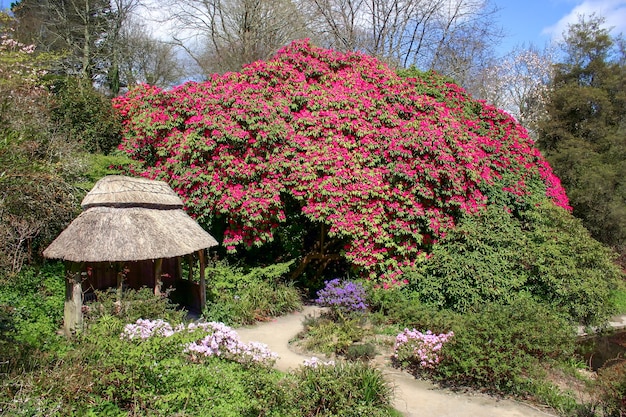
(541, 21)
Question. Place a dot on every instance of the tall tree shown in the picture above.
(76, 27)
(224, 35)
(519, 83)
(89, 32)
(583, 132)
(147, 59)
(450, 36)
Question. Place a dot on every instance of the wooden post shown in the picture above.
(202, 280)
(120, 282)
(190, 264)
(179, 268)
(157, 276)
(73, 312)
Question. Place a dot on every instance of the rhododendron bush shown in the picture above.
(386, 164)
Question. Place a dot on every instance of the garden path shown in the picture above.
(411, 396)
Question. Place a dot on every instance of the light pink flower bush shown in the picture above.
(144, 329)
(421, 348)
(216, 339)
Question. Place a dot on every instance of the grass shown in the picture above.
(619, 298)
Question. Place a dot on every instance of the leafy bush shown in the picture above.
(499, 347)
(360, 351)
(495, 257)
(236, 297)
(32, 305)
(134, 305)
(85, 114)
(612, 386)
(323, 390)
(331, 337)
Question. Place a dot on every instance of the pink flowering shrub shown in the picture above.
(209, 339)
(223, 341)
(144, 329)
(422, 349)
(387, 164)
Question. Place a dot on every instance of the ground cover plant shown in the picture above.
(240, 296)
(159, 365)
(382, 166)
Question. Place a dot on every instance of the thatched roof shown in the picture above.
(121, 191)
(112, 230)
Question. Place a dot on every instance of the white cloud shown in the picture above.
(614, 11)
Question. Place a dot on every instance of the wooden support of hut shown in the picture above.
(126, 220)
(73, 316)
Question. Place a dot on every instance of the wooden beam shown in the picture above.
(190, 263)
(158, 282)
(73, 311)
(120, 281)
(202, 279)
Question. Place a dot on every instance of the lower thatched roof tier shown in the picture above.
(110, 234)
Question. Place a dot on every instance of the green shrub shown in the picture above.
(237, 297)
(330, 337)
(567, 268)
(498, 256)
(611, 384)
(361, 352)
(500, 347)
(134, 304)
(31, 306)
(86, 115)
(323, 391)
(105, 375)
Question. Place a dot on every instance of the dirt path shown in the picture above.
(412, 397)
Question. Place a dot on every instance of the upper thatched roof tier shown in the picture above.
(121, 191)
(109, 234)
(129, 219)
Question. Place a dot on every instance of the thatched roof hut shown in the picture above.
(129, 219)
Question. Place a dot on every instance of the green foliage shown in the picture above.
(32, 305)
(104, 375)
(568, 269)
(612, 386)
(323, 391)
(332, 337)
(496, 257)
(99, 165)
(477, 262)
(236, 296)
(500, 346)
(134, 304)
(583, 130)
(619, 299)
(86, 115)
(361, 351)
(403, 308)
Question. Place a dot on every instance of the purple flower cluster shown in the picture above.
(341, 296)
(220, 340)
(421, 347)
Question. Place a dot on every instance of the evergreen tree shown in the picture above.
(584, 134)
